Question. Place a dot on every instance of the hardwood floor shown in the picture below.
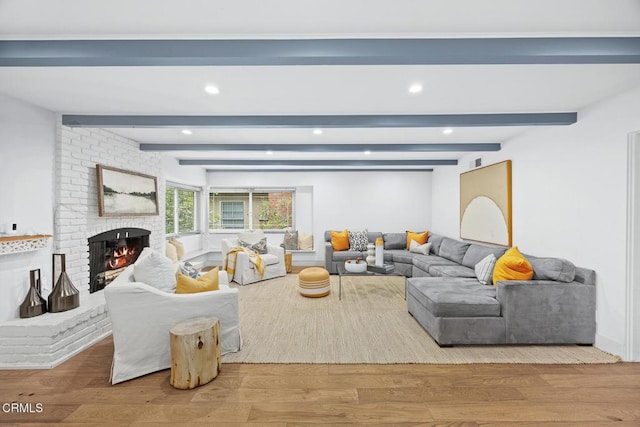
(78, 391)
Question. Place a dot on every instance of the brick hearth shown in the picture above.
(48, 340)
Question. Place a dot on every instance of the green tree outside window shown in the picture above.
(170, 212)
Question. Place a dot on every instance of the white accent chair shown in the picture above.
(141, 317)
(245, 272)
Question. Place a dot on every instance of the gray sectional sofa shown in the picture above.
(558, 306)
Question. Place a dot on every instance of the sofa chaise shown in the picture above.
(557, 306)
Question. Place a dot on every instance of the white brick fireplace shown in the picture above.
(47, 340)
(76, 213)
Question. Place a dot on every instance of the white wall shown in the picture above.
(569, 199)
(27, 144)
(195, 176)
(377, 201)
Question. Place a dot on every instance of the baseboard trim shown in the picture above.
(610, 346)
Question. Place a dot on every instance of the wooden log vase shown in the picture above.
(195, 352)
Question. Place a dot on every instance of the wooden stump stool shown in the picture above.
(195, 352)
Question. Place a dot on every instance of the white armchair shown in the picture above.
(142, 316)
(245, 272)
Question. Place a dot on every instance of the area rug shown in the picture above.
(369, 325)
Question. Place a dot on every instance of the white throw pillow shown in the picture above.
(305, 241)
(484, 269)
(189, 269)
(155, 270)
(171, 251)
(146, 251)
(417, 248)
(179, 248)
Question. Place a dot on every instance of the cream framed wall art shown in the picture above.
(485, 204)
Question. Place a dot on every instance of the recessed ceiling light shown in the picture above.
(186, 132)
(317, 131)
(367, 152)
(447, 131)
(213, 90)
(415, 88)
(269, 152)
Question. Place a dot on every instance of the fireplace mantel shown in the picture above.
(17, 244)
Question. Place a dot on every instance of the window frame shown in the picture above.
(249, 208)
(197, 210)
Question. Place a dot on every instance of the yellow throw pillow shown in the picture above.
(204, 283)
(512, 266)
(340, 240)
(420, 238)
(179, 247)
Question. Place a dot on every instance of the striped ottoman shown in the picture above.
(313, 282)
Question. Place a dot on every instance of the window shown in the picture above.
(186, 210)
(232, 214)
(181, 209)
(251, 209)
(170, 222)
(227, 209)
(274, 210)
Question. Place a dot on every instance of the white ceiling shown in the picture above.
(60, 19)
(317, 90)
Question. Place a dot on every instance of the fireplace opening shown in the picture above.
(113, 251)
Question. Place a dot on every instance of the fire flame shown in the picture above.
(121, 257)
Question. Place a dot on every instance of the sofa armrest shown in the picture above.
(328, 255)
(277, 251)
(223, 278)
(226, 244)
(547, 312)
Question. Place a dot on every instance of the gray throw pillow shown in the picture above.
(395, 240)
(557, 269)
(260, 247)
(291, 240)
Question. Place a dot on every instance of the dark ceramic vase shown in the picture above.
(33, 304)
(64, 295)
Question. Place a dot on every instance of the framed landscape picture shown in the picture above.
(126, 193)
